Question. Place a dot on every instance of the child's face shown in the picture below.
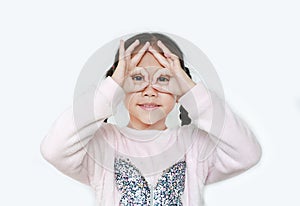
(149, 108)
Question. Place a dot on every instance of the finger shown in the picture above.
(162, 89)
(140, 54)
(130, 49)
(145, 73)
(172, 57)
(131, 85)
(163, 47)
(161, 72)
(162, 60)
(171, 62)
(140, 70)
(167, 52)
(121, 50)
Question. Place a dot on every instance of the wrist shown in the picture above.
(117, 80)
(186, 85)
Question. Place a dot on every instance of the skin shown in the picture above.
(149, 119)
(160, 81)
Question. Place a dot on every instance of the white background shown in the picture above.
(254, 46)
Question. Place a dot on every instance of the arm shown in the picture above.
(230, 147)
(64, 146)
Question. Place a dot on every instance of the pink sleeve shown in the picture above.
(230, 147)
(64, 146)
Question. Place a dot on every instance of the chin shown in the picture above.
(148, 118)
(151, 120)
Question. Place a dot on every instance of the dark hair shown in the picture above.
(152, 38)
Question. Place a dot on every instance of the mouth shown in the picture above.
(149, 106)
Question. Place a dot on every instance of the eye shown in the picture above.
(138, 77)
(163, 79)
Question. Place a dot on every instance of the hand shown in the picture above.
(124, 72)
(136, 80)
(178, 82)
(164, 81)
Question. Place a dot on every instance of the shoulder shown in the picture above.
(194, 138)
(103, 139)
(191, 130)
(107, 131)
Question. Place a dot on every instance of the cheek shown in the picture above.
(126, 102)
(170, 102)
(129, 100)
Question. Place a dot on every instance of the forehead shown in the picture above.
(148, 60)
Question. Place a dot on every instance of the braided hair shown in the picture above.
(152, 38)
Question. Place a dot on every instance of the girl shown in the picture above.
(145, 162)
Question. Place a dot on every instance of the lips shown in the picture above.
(149, 106)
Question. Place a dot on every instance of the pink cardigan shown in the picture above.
(86, 151)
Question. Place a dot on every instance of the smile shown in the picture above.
(149, 106)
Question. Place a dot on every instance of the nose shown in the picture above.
(149, 91)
